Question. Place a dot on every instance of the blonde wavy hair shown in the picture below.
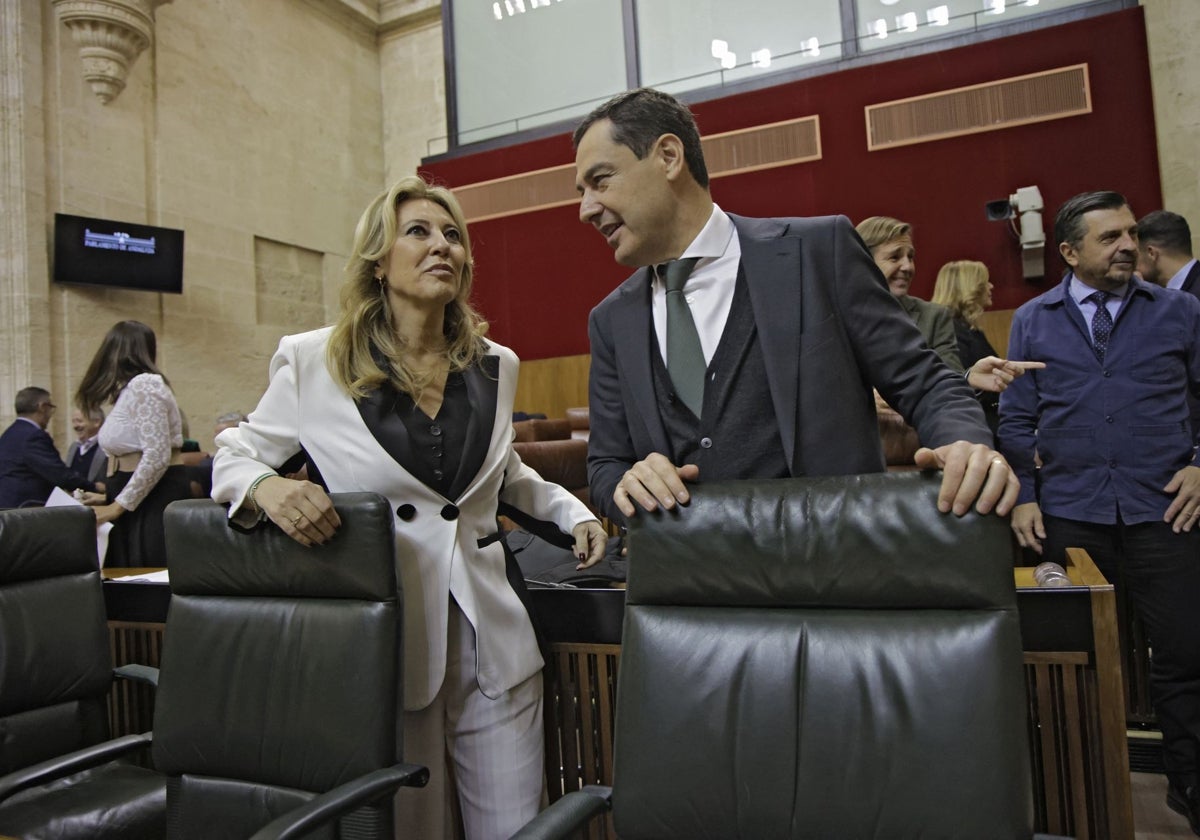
(365, 322)
(961, 287)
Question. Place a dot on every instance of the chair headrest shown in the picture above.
(42, 542)
(874, 541)
(208, 557)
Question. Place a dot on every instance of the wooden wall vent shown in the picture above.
(1038, 97)
(730, 153)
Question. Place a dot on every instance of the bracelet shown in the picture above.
(254, 486)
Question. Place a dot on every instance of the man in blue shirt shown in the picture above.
(1109, 419)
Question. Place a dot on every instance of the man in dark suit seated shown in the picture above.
(786, 326)
(30, 466)
(84, 455)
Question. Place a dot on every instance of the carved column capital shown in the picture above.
(111, 34)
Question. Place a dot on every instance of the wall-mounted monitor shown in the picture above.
(102, 252)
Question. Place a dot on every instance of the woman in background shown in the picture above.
(405, 397)
(963, 288)
(142, 437)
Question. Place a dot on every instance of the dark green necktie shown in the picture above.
(685, 356)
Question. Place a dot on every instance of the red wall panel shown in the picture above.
(539, 274)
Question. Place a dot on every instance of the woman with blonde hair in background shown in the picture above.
(405, 397)
(963, 288)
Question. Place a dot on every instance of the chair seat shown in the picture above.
(118, 800)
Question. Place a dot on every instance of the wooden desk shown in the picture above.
(137, 614)
(1078, 752)
(1073, 674)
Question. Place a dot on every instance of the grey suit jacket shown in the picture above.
(937, 326)
(829, 330)
(98, 469)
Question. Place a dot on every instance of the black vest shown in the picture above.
(737, 437)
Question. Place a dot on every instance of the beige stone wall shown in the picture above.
(244, 124)
(414, 96)
(1172, 29)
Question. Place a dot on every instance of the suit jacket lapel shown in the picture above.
(378, 411)
(633, 332)
(771, 261)
(482, 381)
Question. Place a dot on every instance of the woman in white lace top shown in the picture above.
(141, 437)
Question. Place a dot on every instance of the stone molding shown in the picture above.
(111, 34)
(384, 17)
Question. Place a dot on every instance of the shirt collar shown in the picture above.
(1176, 282)
(713, 238)
(1080, 290)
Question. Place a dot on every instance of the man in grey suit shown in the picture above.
(794, 321)
(84, 455)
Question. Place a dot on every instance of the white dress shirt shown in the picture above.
(709, 288)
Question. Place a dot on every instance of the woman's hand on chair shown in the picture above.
(302, 509)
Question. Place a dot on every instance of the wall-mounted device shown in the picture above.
(1023, 210)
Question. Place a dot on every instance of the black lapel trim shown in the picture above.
(483, 382)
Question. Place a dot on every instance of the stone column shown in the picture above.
(24, 270)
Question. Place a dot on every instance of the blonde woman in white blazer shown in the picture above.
(405, 397)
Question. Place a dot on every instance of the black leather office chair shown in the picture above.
(824, 658)
(278, 711)
(55, 674)
(281, 678)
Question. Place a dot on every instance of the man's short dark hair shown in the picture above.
(30, 399)
(639, 117)
(1166, 230)
(1068, 224)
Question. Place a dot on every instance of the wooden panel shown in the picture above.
(763, 147)
(733, 152)
(996, 325)
(551, 386)
(1004, 103)
(131, 705)
(581, 687)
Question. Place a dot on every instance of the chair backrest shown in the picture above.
(563, 462)
(554, 428)
(281, 667)
(55, 665)
(821, 658)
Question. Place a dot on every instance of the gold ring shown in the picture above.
(299, 516)
(997, 460)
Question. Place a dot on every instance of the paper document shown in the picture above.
(60, 498)
(149, 577)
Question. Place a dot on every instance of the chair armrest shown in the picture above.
(342, 799)
(566, 816)
(138, 673)
(64, 765)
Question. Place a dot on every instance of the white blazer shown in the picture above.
(437, 550)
